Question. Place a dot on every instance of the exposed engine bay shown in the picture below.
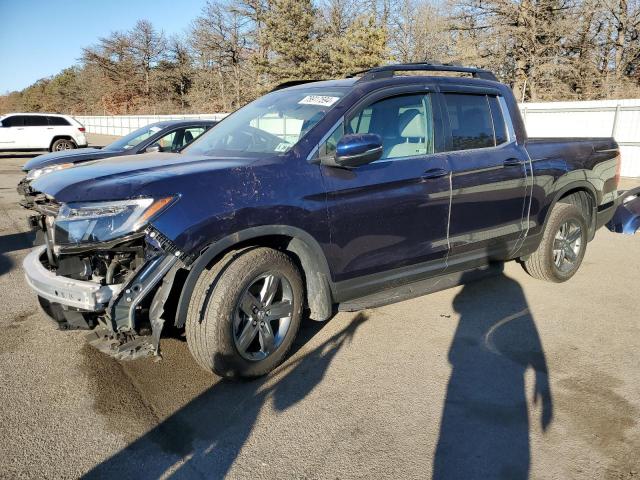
(116, 287)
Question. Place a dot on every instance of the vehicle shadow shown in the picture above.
(12, 243)
(484, 431)
(20, 154)
(208, 433)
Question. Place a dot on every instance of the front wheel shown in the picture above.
(563, 245)
(245, 312)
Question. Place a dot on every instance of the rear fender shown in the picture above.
(567, 189)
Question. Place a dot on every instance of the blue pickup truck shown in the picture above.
(319, 196)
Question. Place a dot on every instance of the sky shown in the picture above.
(39, 38)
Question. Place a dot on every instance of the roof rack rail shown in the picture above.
(292, 83)
(387, 71)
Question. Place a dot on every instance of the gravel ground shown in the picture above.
(509, 377)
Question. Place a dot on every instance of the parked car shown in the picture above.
(165, 136)
(344, 194)
(40, 131)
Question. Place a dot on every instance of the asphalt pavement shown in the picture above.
(508, 377)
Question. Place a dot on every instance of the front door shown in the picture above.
(490, 185)
(389, 218)
(13, 133)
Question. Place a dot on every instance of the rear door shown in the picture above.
(389, 218)
(490, 177)
(38, 132)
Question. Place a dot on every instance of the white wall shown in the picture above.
(124, 124)
(602, 118)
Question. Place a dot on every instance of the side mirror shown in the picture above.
(358, 149)
(152, 148)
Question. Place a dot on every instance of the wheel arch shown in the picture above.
(61, 137)
(299, 244)
(574, 193)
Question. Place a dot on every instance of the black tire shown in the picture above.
(63, 144)
(543, 263)
(214, 312)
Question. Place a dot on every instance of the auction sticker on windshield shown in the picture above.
(321, 100)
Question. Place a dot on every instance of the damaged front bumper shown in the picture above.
(126, 317)
(626, 219)
(80, 294)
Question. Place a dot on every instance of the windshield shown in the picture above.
(134, 138)
(271, 124)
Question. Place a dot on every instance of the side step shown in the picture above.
(419, 288)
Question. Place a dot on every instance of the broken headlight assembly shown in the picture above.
(38, 172)
(94, 222)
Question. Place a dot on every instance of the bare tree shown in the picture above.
(237, 49)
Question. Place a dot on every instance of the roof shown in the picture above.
(303, 84)
(182, 122)
(36, 114)
(387, 76)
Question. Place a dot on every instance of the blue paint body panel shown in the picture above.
(383, 218)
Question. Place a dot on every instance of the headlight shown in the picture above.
(102, 221)
(38, 172)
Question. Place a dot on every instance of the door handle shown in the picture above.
(435, 173)
(513, 162)
(49, 128)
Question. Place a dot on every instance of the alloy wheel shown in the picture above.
(567, 245)
(262, 316)
(63, 145)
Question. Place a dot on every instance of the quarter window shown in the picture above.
(328, 149)
(499, 126)
(57, 122)
(470, 121)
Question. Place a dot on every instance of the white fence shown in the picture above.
(121, 125)
(602, 118)
(605, 118)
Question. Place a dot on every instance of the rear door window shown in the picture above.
(470, 121)
(58, 122)
(35, 121)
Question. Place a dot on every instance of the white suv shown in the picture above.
(40, 131)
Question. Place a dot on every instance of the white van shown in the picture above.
(40, 131)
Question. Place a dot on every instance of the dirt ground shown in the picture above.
(509, 377)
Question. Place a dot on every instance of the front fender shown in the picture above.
(302, 244)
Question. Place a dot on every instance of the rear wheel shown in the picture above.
(245, 312)
(62, 144)
(563, 245)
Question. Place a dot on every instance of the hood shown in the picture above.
(128, 176)
(67, 156)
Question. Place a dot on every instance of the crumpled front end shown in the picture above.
(116, 287)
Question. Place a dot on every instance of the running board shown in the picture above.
(419, 288)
